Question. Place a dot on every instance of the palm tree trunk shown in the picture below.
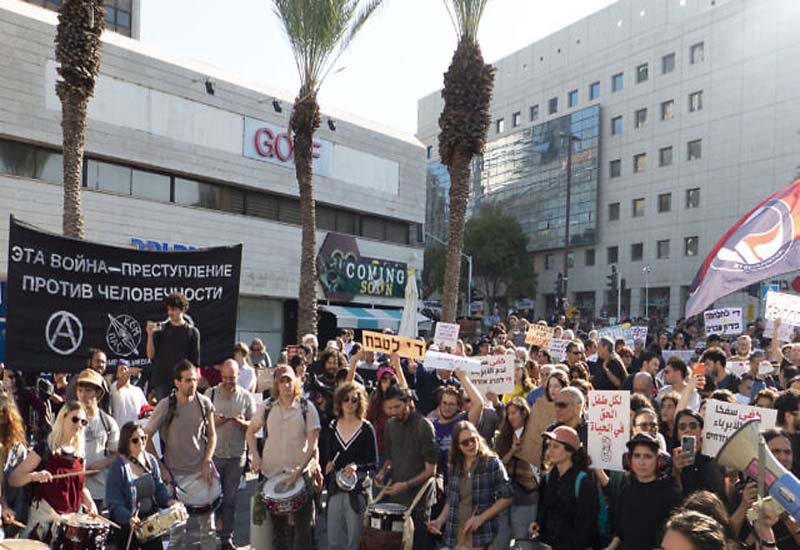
(73, 125)
(459, 170)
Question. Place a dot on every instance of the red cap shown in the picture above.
(284, 370)
(385, 370)
(566, 436)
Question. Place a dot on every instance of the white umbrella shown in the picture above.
(408, 324)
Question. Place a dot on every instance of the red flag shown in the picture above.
(763, 244)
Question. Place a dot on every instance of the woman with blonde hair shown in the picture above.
(62, 453)
(13, 450)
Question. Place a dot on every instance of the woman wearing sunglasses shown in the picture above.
(134, 488)
(62, 453)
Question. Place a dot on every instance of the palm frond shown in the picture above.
(466, 16)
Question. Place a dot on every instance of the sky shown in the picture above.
(399, 56)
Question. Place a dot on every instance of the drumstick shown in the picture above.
(72, 474)
(16, 523)
(130, 535)
(103, 519)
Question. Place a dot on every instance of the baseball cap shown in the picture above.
(643, 438)
(566, 436)
(385, 370)
(123, 362)
(284, 370)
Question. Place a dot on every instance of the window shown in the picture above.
(690, 245)
(548, 261)
(667, 108)
(429, 152)
(664, 202)
(694, 149)
(372, 227)
(693, 197)
(641, 118)
(665, 156)
(616, 125)
(572, 98)
(668, 63)
(150, 185)
(552, 105)
(500, 125)
(696, 53)
(516, 119)
(105, 176)
(616, 82)
(642, 73)
(612, 254)
(639, 163)
(613, 211)
(637, 252)
(594, 90)
(662, 249)
(534, 112)
(571, 259)
(267, 207)
(696, 101)
(637, 208)
(615, 168)
(589, 257)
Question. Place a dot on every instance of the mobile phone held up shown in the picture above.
(688, 443)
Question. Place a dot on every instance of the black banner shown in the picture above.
(66, 296)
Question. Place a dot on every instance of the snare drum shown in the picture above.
(24, 544)
(198, 496)
(162, 523)
(386, 516)
(281, 499)
(80, 532)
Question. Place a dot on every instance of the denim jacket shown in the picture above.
(121, 491)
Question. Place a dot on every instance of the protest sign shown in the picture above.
(614, 332)
(435, 360)
(66, 296)
(738, 368)
(410, 348)
(497, 374)
(785, 307)
(685, 355)
(558, 349)
(638, 333)
(539, 335)
(785, 331)
(722, 419)
(726, 321)
(608, 426)
(446, 335)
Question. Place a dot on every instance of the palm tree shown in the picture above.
(319, 31)
(464, 121)
(80, 24)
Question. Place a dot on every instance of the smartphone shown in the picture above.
(699, 369)
(688, 446)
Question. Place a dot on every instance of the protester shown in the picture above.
(449, 413)
(127, 400)
(522, 383)
(696, 471)
(693, 531)
(35, 412)
(259, 357)
(13, 451)
(788, 419)
(543, 413)
(247, 373)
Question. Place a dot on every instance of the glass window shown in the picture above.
(696, 101)
(589, 257)
(662, 249)
(613, 211)
(232, 200)
(326, 217)
(347, 222)
(693, 197)
(262, 206)
(429, 152)
(690, 245)
(372, 227)
(642, 73)
(694, 149)
(552, 105)
(668, 63)
(49, 166)
(612, 254)
(123, 19)
(594, 90)
(516, 119)
(639, 163)
(150, 185)
(641, 118)
(616, 125)
(534, 112)
(616, 82)
(289, 210)
(397, 232)
(664, 202)
(571, 259)
(548, 261)
(105, 176)
(195, 193)
(572, 98)
(667, 108)
(637, 208)
(696, 53)
(637, 252)
(615, 168)
(500, 125)
(665, 156)
(18, 159)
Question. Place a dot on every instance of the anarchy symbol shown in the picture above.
(64, 332)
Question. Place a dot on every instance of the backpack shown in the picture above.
(270, 403)
(172, 408)
(602, 505)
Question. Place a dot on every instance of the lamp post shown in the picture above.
(469, 272)
(570, 139)
(647, 270)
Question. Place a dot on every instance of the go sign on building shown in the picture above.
(270, 143)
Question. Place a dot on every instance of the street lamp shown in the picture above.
(570, 139)
(646, 270)
(469, 272)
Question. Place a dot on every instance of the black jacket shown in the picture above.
(568, 522)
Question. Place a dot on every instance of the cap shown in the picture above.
(123, 362)
(89, 376)
(385, 370)
(643, 438)
(284, 370)
(565, 435)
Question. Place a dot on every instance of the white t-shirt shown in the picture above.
(126, 402)
(247, 377)
(99, 438)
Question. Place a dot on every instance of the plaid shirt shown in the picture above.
(489, 484)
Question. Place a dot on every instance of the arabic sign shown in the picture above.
(446, 335)
(558, 349)
(723, 419)
(625, 332)
(409, 348)
(738, 368)
(726, 321)
(609, 428)
(497, 374)
(435, 360)
(785, 331)
(785, 307)
(539, 335)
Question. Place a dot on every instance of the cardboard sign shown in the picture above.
(558, 349)
(785, 331)
(738, 368)
(497, 374)
(409, 348)
(446, 335)
(722, 419)
(539, 335)
(726, 321)
(785, 307)
(435, 360)
(638, 333)
(609, 428)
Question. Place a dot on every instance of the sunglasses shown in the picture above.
(690, 426)
(468, 442)
(352, 399)
(561, 404)
(142, 438)
(83, 421)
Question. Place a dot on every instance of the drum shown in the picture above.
(386, 516)
(23, 544)
(198, 496)
(345, 482)
(281, 499)
(162, 523)
(80, 532)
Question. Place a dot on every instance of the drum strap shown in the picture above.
(259, 508)
(419, 495)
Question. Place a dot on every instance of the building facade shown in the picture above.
(698, 114)
(173, 165)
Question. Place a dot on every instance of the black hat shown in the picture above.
(644, 438)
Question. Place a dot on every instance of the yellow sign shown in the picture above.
(539, 335)
(409, 348)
